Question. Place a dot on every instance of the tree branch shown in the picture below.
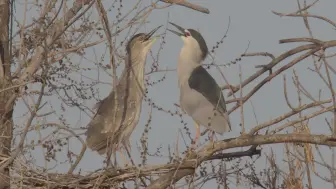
(172, 173)
(250, 152)
(279, 59)
(188, 4)
(206, 152)
(56, 31)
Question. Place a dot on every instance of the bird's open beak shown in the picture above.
(179, 28)
(150, 34)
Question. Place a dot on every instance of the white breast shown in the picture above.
(189, 98)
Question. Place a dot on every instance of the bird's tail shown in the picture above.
(227, 121)
(221, 123)
(97, 142)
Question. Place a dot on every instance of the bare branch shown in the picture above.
(188, 4)
(196, 159)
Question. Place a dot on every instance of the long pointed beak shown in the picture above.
(179, 28)
(149, 35)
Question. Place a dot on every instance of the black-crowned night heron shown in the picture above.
(114, 121)
(200, 96)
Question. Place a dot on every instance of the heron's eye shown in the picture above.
(142, 38)
(187, 34)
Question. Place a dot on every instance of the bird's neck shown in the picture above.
(186, 64)
(136, 70)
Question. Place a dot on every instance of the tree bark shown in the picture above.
(6, 110)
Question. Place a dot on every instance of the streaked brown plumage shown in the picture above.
(111, 127)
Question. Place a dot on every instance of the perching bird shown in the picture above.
(200, 96)
(113, 124)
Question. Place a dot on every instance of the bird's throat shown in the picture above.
(137, 72)
(185, 67)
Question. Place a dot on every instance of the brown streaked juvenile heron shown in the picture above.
(200, 96)
(111, 127)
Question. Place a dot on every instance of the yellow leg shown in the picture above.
(198, 134)
(212, 136)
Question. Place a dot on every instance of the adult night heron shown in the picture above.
(111, 127)
(200, 96)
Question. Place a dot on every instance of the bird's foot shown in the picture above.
(191, 149)
(190, 152)
(109, 165)
(127, 164)
(193, 145)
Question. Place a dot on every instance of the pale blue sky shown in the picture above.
(251, 22)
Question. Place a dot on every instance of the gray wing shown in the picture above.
(96, 139)
(109, 117)
(201, 81)
(115, 116)
(104, 125)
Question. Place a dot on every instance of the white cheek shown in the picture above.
(188, 42)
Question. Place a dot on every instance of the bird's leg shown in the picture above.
(127, 149)
(198, 134)
(212, 135)
(109, 154)
(115, 159)
(123, 158)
